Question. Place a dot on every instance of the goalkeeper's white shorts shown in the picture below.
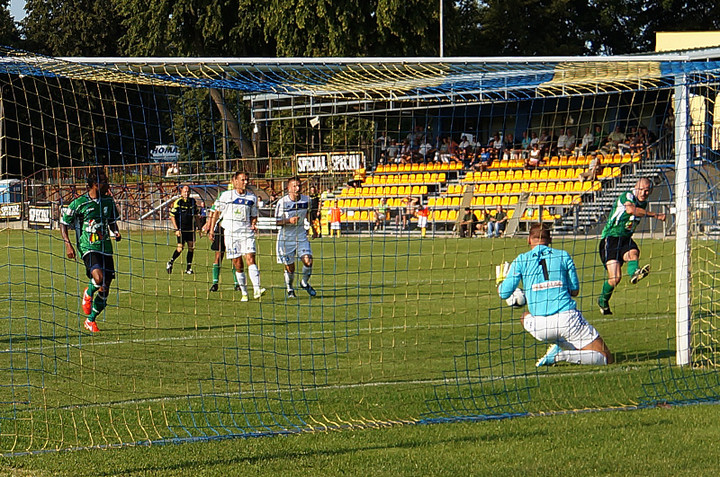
(569, 329)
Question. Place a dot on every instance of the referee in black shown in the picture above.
(182, 215)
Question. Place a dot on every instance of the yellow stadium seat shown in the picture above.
(493, 176)
(455, 202)
(535, 175)
(567, 199)
(490, 189)
(488, 201)
(423, 190)
(533, 187)
(516, 188)
(532, 200)
(507, 187)
(577, 187)
(426, 178)
(501, 175)
(431, 201)
(485, 176)
(564, 161)
(452, 215)
(415, 167)
(353, 204)
(554, 161)
(510, 213)
(558, 200)
(480, 189)
(596, 185)
(496, 200)
(542, 187)
(616, 172)
(553, 174)
(526, 175)
(364, 215)
(514, 200)
(394, 190)
(443, 215)
(505, 200)
(543, 175)
(442, 177)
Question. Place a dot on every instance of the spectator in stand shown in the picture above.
(335, 219)
(496, 146)
(381, 214)
(358, 176)
(408, 212)
(486, 158)
(614, 138)
(426, 151)
(534, 139)
(443, 152)
(594, 168)
(545, 142)
(465, 153)
(406, 153)
(570, 143)
(587, 141)
(467, 224)
(392, 152)
(534, 158)
(481, 222)
(382, 143)
(599, 137)
(560, 143)
(497, 223)
(173, 170)
(648, 139)
(525, 145)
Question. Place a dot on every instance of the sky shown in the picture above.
(16, 9)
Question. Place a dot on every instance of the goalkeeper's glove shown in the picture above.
(501, 272)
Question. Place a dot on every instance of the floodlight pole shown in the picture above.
(682, 222)
(442, 46)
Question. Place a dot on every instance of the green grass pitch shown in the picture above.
(403, 330)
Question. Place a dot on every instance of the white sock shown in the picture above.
(582, 356)
(254, 274)
(241, 281)
(289, 277)
(307, 272)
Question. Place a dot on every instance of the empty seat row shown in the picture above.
(565, 161)
(390, 168)
(419, 178)
(383, 191)
(537, 175)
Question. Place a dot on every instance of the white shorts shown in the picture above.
(567, 328)
(334, 225)
(422, 222)
(237, 245)
(289, 250)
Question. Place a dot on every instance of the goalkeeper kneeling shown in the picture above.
(550, 281)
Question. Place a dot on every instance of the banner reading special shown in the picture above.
(39, 217)
(324, 162)
(12, 210)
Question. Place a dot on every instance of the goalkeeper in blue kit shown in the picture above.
(94, 217)
(550, 281)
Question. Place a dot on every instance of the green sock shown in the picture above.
(607, 291)
(97, 307)
(632, 267)
(234, 276)
(92, 288)
(216, 272)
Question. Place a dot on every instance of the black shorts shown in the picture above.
(186, 236)
(94, 260)
(218, 244)
(615, 248)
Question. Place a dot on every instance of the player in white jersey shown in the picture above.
(237, 209)
(291, 213)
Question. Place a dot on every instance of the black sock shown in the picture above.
(189, 258)
(176, 254)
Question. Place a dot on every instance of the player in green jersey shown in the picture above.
(94, 217)
(617, 245)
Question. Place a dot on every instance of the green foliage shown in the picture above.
(9, 34)
(72, 27)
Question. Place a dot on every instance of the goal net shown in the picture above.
(408, 166)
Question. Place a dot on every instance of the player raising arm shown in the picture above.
(94, 217)
(550, 281)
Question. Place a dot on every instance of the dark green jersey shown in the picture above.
(91, 219)
(620, 223)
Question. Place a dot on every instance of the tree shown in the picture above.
(72, 27)
(9, 34)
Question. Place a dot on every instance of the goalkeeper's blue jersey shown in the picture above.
(548, 276)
